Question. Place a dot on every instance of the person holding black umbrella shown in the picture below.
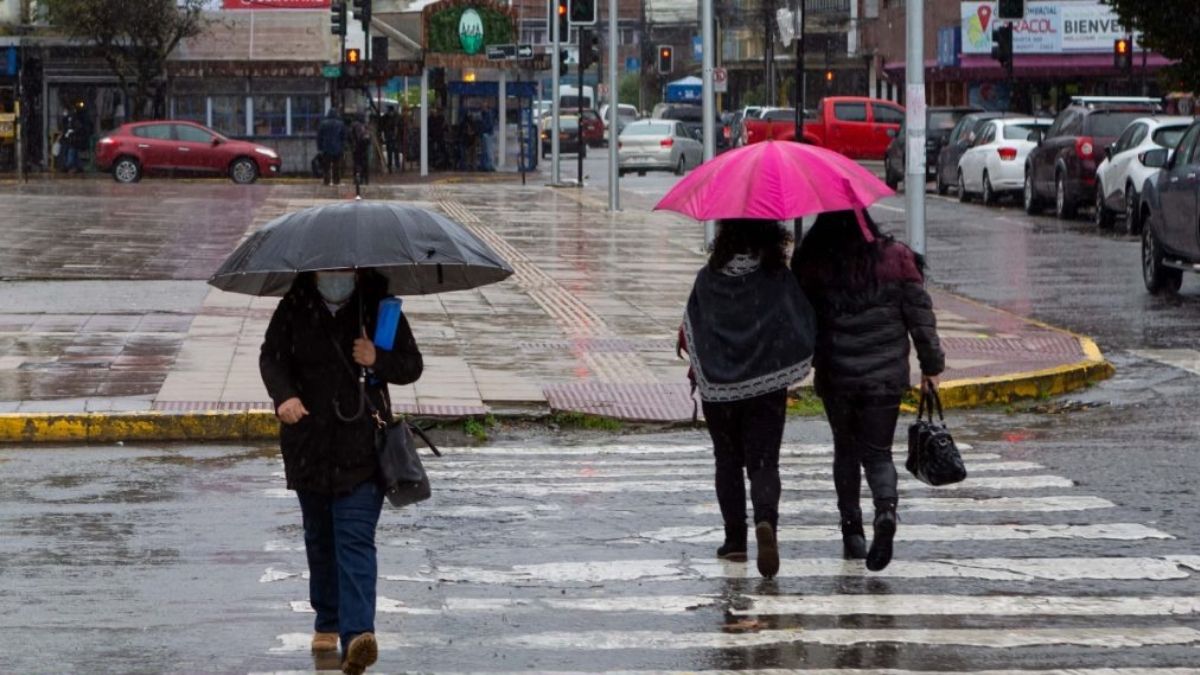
(328, 440)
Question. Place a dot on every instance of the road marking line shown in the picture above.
(1183, 359)
(943, 504)
(442, 472)
(602, 487)
(965, 605)
(956, 532)
(788, 450)
(449, 460)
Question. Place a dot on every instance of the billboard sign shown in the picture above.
(1047, 28)
(275, 4)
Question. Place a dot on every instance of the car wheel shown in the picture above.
(642, 173)
(989, 195)
(962, 188)
(1104, 217)
(126, 170)
(941, 187)
(1029, 197)
(1133, 224)
(243, 171)
(890, 178)
(1156, 276)
(1064, 208)
(679, 168)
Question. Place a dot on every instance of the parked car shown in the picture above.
(657, 145)
(737, 131)
(593, 128)
(132, 150)
(852, 125)
(939, 122)
(1063, 166)
(961, 137)
(1122, 173)
(1170, 211)
(568, 135)
(995, 162)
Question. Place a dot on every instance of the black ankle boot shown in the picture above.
(854, 542)
(734, 548)
(881, 546)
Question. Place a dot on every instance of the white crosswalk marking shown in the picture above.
(551, 551)
(1184, 359)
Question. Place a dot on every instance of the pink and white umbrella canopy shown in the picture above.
(774, 180)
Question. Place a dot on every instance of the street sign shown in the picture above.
(331, 71)
(509, 52)
(633, 64)
(720, 80)
(697, 48)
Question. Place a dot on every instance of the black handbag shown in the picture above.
(402, 474)
(933, 458)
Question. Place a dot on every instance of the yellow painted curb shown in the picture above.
(105, 427)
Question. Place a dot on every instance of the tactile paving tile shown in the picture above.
(633, 402)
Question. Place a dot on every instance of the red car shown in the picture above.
(174, 145)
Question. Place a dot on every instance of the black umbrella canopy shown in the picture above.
(417, 250)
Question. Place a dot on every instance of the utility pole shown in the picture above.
(707, 110)
(914, 122)
(583, 37)
(614, 98)
(801, 100)
(556, 39)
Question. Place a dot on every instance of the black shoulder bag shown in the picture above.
(404, 479)
(933, 457)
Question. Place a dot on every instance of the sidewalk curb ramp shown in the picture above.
(261, 425)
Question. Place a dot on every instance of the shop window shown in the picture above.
(270, 115)
(306, 114)
(229, 115)
(192, 108)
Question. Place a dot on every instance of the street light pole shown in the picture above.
(614, 98)
(914, 122)
(707, 111)
(554, 77)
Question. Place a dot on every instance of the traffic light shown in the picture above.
(666, 59)
(352, 59)
(337, 18)
(379, 53)
(559, 8)
(829, 77)
(362, 12)
(563, 57)
(589, 49)
(583, 12)
(1002, 45)
(1011, 9)
(1123, 54)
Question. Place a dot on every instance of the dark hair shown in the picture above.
(835, 251)
(766, 239)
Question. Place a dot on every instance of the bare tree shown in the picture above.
(134, 37)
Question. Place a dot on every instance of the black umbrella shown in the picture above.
(417, 250)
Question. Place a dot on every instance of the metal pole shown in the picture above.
(914, 122)
(579, 104)
(556, 40)
(708, 109)
(425, 120)
(502, 123)
(801, 95)
(614, 98)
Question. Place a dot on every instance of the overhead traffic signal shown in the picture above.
(666, 59)
(583, 12)
(362, 12)
(337, 18)
(1011, 9)
(1123, 54)
(1002, 45)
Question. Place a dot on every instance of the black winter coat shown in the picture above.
(321, 453)
(863, 333)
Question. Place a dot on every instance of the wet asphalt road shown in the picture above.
(184, 559)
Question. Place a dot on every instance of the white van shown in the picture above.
(569, 98)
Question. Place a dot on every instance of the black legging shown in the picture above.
(746, 434)
(863, 429)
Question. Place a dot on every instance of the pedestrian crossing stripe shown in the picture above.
(955, 532)
(808, 605)
(941, 504)
(443, 472)
(451, 459)
(786, 450)
(815, 671)
(1110, 638)
(682, 485)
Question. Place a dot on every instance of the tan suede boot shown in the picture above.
(325, 642)
(362, 653)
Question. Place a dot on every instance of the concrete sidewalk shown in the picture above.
(586, 324)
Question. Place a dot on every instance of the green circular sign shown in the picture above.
(470, 32)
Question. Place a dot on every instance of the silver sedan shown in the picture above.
(657, 145)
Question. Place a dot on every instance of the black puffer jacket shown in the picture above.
(863, 333)
(321, 453)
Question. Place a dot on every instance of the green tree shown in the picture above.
(1168, 27)
(134, 37)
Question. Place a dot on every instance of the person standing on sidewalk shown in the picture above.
(390, 127)
(749, 334)
(331, 140)
(869, 294)
(360, 147)
(328, 442)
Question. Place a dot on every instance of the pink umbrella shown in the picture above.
(775, 180)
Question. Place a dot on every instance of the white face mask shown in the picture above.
(335, 287)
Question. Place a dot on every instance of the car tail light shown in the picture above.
(667, 142)
(1007, 154)
(105, 141)
(1084, 147)
(725, 132)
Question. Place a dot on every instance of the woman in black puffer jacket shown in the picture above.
(869, 296)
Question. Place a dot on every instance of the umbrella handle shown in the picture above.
(362, 400)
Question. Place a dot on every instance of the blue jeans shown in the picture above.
(339, 537)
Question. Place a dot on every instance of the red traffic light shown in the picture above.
(1122, 46)
(562, 9)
